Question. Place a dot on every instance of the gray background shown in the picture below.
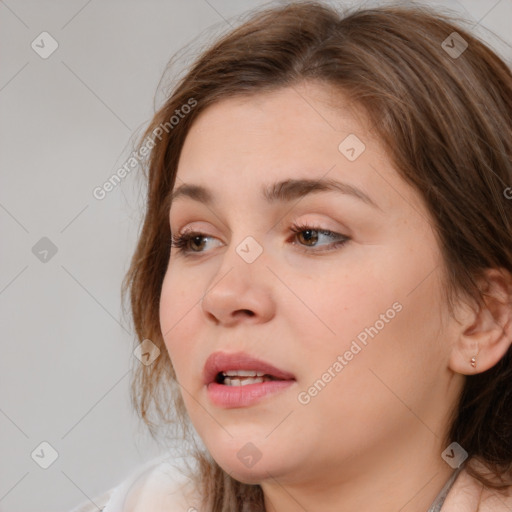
(67, 123)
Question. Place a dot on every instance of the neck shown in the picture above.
(407, 479)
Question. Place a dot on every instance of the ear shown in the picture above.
(485, 332)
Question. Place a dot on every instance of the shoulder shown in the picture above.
(160, 485)
(469, 495)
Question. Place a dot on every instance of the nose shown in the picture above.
(239, 292)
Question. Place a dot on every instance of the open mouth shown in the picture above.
(240, 369)
(244, 388)
(243, 378)
(235, 380)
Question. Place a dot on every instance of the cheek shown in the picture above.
(383, 366)
(385, 315)
(181, 291)
(179, 306)
(339, 305)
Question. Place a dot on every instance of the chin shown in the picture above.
(248, 477)
(252, 476)
(248, 454)
(249, 464)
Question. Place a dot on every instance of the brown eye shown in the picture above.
(197, 242)
(191, 242)
(310, 236)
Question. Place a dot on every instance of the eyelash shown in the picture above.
(180, 241)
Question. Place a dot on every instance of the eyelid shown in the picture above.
(193, 227)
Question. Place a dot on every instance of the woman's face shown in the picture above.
(348, 309)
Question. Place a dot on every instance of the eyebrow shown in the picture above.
(282, 191)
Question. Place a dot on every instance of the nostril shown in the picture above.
(248, 312)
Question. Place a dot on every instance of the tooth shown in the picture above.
(252, 381)
(243, 373)
(245, 381)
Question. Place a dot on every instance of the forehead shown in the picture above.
(306, 121)
(240, 145)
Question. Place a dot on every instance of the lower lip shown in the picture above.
(244, 396)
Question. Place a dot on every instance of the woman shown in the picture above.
(325, 266)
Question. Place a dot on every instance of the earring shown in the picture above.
(473, 362)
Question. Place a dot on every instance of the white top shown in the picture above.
(159, 485)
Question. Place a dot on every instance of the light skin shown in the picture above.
(372, 438)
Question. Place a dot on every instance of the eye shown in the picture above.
(192, 242)
(309, 236)
(189, 242)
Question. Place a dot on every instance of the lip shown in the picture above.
(222, 362)
(229, 397)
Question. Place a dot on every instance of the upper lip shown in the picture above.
(223, 362)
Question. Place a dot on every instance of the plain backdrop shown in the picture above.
(67, 123)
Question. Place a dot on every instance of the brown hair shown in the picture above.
(446, 122)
